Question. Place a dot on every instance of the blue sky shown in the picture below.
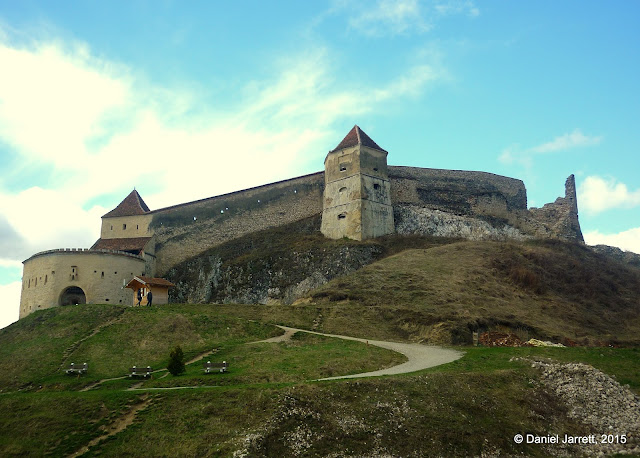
(185, 100)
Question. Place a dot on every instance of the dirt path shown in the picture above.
(288, 333)
(120, 424)
(419, 356)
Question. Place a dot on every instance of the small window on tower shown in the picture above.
(375, 169)
(124, 226)
(343, 167)
(342, 189)
(376, 186)
(342, 216)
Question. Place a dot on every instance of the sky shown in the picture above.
(187, 100)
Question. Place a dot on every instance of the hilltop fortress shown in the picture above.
(358, 195)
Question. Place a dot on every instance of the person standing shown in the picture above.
(139, 296)
(149, 298)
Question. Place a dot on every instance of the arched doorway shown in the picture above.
(73, 296)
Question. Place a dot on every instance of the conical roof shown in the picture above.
(131, 205)
(357, 136)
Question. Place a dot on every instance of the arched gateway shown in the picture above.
(73, 296)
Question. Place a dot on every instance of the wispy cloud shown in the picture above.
(401, 17)
(104, 130)
(597, 194)
(575, 139)
(627, 240)
(565, 142)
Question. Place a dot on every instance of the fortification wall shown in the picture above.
(98, 273)
(478, 206)
(475, 205)
(184, 231)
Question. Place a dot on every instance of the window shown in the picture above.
(124, 226)
(375, 169)
(343, 167)
(342, 189)
(342, 216)
(376, 186)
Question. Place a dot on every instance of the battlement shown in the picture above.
(81, 251)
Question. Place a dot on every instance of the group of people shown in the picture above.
(149, 297)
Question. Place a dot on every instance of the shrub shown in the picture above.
(176, 361)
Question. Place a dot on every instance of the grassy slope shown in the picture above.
(265, 407)
(542, 289)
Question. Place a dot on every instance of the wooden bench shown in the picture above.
(77, 369)
(140, 371)
(210, 367)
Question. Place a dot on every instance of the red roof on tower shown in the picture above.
(131, 205)
(356, 136)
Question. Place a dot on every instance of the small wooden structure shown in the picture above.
(159, 288)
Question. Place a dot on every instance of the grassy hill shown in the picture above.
(269, 405)
(545, 289)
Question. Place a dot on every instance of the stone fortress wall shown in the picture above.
(451, 203)
(67, 276)
(186, 230)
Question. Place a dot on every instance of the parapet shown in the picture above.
(82, 250)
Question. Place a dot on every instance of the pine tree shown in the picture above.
(176, 361)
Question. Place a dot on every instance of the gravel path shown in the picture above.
(419, 356)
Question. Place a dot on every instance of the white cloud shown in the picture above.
(627, 240)
(575, 139)
(9, 305)
(105, 130)
(565, 142)
(52, 100)
(401, 17)
(597, 194)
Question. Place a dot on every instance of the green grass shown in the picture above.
(305, 357)
(266, 404)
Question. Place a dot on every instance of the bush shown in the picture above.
(176, 361)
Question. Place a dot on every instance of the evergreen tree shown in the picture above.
(176, 361)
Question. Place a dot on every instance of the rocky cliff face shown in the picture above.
(273, 279)
(272, 266)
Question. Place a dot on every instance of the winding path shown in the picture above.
(419, 356)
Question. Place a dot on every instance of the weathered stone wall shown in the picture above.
(100, 275)
(452, 203)
(560, 218)
(187, 230)
(457, 191)
(477, 205)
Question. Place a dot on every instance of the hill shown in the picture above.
(436, 290)
(268, 404)
(544, 289)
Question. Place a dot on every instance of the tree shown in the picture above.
(176, 361)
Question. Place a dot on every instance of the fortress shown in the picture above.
(358, 195)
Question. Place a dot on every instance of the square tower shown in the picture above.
(357, 193)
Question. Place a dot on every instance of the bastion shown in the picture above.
(358, 195)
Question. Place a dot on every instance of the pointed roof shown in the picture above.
(356, 136)
(131, 205)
